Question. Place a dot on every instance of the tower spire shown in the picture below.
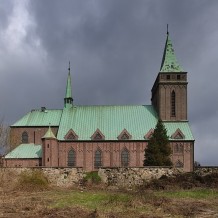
(169, 60)
(68, 100)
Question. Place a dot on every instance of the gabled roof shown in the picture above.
(25, 151)
(183, 126)
(40, 118)
(169, 61)
(112, 120)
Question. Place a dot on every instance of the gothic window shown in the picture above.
(173, 104)
(179, 164)
(25, 137)
(178, 77)
(168, 77)
(98, 158)
(178, 148)
(125, 158)
(71, 158)
(124, 135)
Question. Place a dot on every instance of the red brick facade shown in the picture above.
(55, 153)
(22, 162)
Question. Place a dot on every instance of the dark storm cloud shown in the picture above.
(115, 49)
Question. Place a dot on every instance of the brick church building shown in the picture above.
(107, 136)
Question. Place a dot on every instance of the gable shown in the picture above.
(149, 134)
(98, 135)
(124, 135)
(71, 135)
(178, 134)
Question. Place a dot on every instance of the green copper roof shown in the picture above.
(169, 61)
(49, 134)
(40, 118)
(183, 126)
(25, 151)
(112, 120)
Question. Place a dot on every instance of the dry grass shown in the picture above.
(32, 197)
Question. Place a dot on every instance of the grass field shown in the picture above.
(102, 203)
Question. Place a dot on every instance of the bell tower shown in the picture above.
(169, 92)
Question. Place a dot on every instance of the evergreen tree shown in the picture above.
(158, 150)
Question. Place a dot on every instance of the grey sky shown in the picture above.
(115, 48)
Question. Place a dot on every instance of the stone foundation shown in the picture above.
(119, 177)
(128, 177)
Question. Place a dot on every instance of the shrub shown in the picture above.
(92, 177)
(34, 180)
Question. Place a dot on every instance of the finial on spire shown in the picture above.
(167, 30)
(69, 67)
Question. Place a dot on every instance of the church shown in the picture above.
(93, 137)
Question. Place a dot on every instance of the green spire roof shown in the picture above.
(68, 100)
(49, 134)
(169, 61)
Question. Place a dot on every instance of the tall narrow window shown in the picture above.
(25, 137)
(173, 103)
(71, 158)
(125, 158)
(98, 158)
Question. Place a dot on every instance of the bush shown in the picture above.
(92, 177)
(34, 180)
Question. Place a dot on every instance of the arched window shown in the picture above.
(98, 158)
(71, 158)
(124, 157)
(25, 137)
(173, 103)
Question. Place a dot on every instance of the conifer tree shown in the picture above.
(158, 150)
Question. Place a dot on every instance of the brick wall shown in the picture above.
(21, 162)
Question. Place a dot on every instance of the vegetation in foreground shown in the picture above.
(165, 197)
(158, 150)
